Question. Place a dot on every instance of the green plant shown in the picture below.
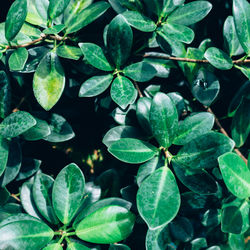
(168, 154)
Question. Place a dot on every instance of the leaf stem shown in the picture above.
(138, 89)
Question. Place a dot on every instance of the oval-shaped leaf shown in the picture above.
(69, 52)
(163, 119)
(5, 95)
(106, 225)
(67, 192)
(53, 246)
(56, 8)
(4, 153)
(76, 246)
(218, 58)
(49, 81)
(119, 40)
(95, 56)
(158, 198)
(18, 59)
(95, 85)
(132, 150)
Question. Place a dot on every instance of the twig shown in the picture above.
(138, 89)
(223, 131)
(190, 60)
(15, 197)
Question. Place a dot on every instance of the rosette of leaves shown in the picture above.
(120, 73)
(61, 210)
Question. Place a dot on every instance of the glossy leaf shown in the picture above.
(95, 56)
(119, 40)
(211, 218)
(5, 95)
(158, 198)
(236, 175)
(132, 150)
(241, 9)
(163, 119)
(18, 59)
(67, 192)
(5, 195)
(16, 124)
(123, 91)
(69, 52)
(193, 126)
(190, 13)
(54, 29)
(28, 168)
(4, 153)
(218, 58)
(203, 151)
(15, 19)
(119, 247)
(95, 85)
(53, 246)
(56, 8)
(106, 225)
(49, 81)
(236, 241)
(76, 246)
(139, 21)
(140, 72)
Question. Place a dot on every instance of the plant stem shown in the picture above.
(138, 89)
(15, 197)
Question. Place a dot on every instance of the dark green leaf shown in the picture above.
(211, 218)
(244, 69)
(193, 126)
(132, 150)
(140, 72)
(9, 209)
(163, 119)
(109, 224)
(49, 81)
(236, 175)
(123, 91)
(158, 198)
(67, 192)
(203, 151)
(139, 21)
(4, 152)
(190, 13)
(54, 29)
(5, 195)
(198, 243)
(218, 58)
(153, 6)
(28, 168)
(241, 10)
(15, 19)
(119, 247)
(119, 40)
(5, 95)
(18, 59)
(69, 52)
(56, 8)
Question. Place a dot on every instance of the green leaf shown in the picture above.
(5, 95)
(25, 234)
(241, 10)
(42, 195)
(139, 21)
(49, 81)
(236, 175)
(4, 153)
(95, 56)
(158, 198)
(67, 192)
(85, 16)
(235, 216)
(132, 150)
(95, 85)
(15, 19)
(244, 69)
(241, 123)
(123, 91)
(69, 52)
(193, 126)
(53, 246)
(54, 29)
(153, 6)
(76, 246)
(190, 13)
(56, 8)
(178, 32)
(16, 123)
(163, 119)
(5, 195)
(9, 209)
(18, 59)
(140, 72)
(197, 180)
(106, 225)
(218, 58)
(203, 151)
(230, 37)
(119, 40)
(119, 247)
(236, 241)
(211, 218)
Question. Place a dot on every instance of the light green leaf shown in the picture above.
(49, 81)
(54, 29)
(190, 13)
(236, 241)
(218, 58)
(163, 119)
(95, 56)
(56, 8)
(106, 225)
(123, 91)
(76, 246)
(132, 150)
(16, 123)
(158, 198)
(69, 52)
(236, 175)
(139, 21)
(15, 18)
(53, 246)
(95, 85)
(241, 10)
(67, 192)
(18, 59)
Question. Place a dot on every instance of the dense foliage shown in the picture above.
(160, 153)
